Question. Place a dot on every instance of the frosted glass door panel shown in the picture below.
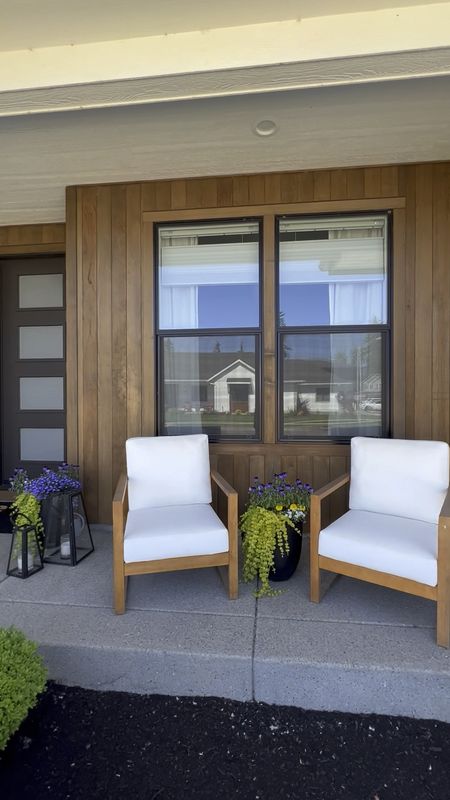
(42, 444)
(41, 291)
(41, 341)
(42, 394)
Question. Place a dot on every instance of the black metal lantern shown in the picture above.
(67, 534)
(25, 555)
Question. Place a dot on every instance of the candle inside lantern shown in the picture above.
(30, 562)
(65, 548)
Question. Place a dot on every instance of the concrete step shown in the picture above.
(363, 649)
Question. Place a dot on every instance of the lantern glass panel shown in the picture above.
(67, 535)
(25, 557)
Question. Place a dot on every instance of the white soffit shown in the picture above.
(344, 126)
(369, 46)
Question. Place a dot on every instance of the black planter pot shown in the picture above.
(285, 564)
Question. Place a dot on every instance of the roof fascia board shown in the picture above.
(347, 48)
(228, 83)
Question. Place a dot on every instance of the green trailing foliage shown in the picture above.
(272, 506)
(263, 531)
(26, 510)
(22, 678)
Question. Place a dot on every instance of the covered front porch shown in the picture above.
(363, 649)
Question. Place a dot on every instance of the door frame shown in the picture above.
(46, 239)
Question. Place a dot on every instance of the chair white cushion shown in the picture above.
(173, 531)
(396, 545)
(168, 471)
(399, 476)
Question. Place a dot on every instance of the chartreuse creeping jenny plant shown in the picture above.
(272, 507)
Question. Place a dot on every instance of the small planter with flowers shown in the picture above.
(272, 530)
(52, 504)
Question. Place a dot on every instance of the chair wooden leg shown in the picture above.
(120, 588)
(233, 578)
(314, 577)
(314, 532)
(443, 583)
(443, 616)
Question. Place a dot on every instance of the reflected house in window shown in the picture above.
(210, 391)
(234, 388)
(309, 387)
(372, 385)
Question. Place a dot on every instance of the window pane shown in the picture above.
(42, 444)
(333, 271)
(40, 291)
(41, 341)
(332, 385)
(209, 385)
(41, 394)
(208, 276)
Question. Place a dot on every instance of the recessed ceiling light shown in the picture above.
(266, 127)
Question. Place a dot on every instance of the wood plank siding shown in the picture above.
(32, 239)
(110, 364)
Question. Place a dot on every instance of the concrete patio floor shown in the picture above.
(363, 649)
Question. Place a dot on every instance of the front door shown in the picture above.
(239, 397)
(32, 364)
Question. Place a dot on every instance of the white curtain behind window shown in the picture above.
(356, 303)
(178, 307)
(189, 258)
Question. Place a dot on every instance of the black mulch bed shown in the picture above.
(84, 744)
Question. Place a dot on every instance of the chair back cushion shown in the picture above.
(168, 471)
(399, 476)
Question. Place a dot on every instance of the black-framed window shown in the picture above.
(209, 328)
(333, 326)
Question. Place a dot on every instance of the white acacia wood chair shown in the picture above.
(397, 531)
(162, 514)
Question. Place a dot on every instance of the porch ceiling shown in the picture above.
(390, 123)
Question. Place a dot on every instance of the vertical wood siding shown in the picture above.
(32, 239)
(111, 380)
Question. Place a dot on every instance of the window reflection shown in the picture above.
(209, 385)
(332, 384)
(333, 271)
(209, 276)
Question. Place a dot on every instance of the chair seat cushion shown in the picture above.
(396, 545)
(172, 532)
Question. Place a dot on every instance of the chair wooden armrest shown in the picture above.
(443, 550)
(222, 484)
(443, 574)
(444, 515)
(120, 511)
(315, 524)
(315, 516)
(120, 506)
(232, 509)
(329, 488)
(232, 525)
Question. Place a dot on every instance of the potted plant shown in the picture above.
(272, 528)
(28, 531)
(53, 502)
